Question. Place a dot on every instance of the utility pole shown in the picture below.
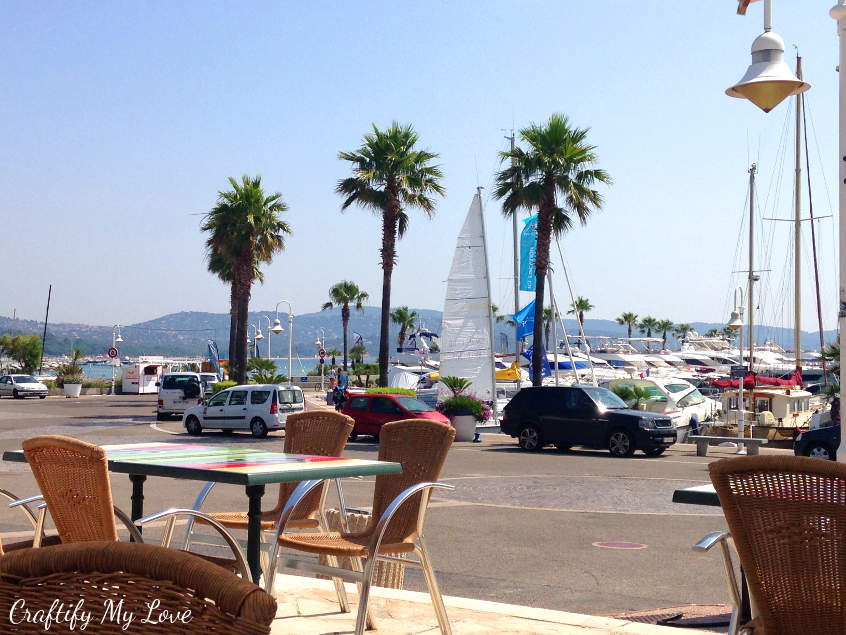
(516, 262)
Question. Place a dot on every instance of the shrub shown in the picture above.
(70, 373)
(456, 384)
(266, 377)
(222, 385)
(465, 405)
(392, 391)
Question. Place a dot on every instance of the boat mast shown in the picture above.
(44, 335)
(797, 231)
(490, 312)
(751, 267)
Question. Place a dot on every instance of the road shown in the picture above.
(519, 528)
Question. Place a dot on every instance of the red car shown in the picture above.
(371, 412)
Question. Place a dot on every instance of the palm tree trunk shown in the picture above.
(546, 334)
(630, 330)
(389, 233)
(243, 281)
(541, 265)
(345, 321)
(233, 311)
(582, 319)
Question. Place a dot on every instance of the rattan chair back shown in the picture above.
(787, 516)
(102, 574)
(74, 478)
(421, 446)
(316, 432)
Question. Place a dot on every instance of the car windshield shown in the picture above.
(676, 387)
(604, 398)
(290, 396)
(413, 405)
(174, 382)
(25, 379)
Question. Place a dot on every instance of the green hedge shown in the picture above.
(222, 385)
(392, 391)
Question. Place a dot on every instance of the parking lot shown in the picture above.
(520, 527)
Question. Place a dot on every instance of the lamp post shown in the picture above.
(277, 328)
(736, 324)
(838, 12)
(116, 339)
(269, 333)
(321, 344)
(255, 336)
(258, 337)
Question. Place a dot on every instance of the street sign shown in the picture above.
(322, 352)
(322, 360)
(739, 372)
(113, 352)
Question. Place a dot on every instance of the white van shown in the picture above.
(178, 391)
(258, 408)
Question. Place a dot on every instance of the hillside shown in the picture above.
(186, 333)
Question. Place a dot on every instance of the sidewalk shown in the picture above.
(308, 606)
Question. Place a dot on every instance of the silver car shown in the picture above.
(20, 386)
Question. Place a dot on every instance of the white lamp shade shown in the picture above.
(768, 80)
(736, 322)
(118, 339)
(277, 326)
(259, 336)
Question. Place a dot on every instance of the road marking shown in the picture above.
(444, 503)
(617, 544)
(155, 426)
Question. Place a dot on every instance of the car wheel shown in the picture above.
(819, 451)
(621, 443)
(530, 439)
(16, 394)
(161, 416)
(654, 451)
(42, 396)
(353, 435)
(258, 428)
(563, 447)
(192, 425)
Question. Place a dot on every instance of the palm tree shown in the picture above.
(554, 176)
(245, 230)
(500, 317)
(647, 325)
(342, 294)
(580, 305)
(831, 354)
(728, 333)
(389, 174)
(713, 333)
(681, 330)
(406, 319)
(664, 326)
(547, 324)
(357, 353)
(630, 320)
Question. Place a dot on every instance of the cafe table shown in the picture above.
(247, 466)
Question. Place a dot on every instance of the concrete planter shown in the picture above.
(72, 390)
(465, 427)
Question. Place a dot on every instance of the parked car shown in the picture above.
(371, 412)
(586, 416)
(258, 408)
(677, 398)
(178, 391)
(208, 380)
(821, 443)
(20, 386)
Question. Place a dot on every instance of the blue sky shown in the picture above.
(122, 121)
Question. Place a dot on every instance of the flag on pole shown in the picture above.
(545, 369)
(741, 6)
(528, 253)
(525, 320)
(214, 357)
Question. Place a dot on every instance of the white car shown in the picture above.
(258, 408)
(677, 398)
(20, 386)
(178, 391)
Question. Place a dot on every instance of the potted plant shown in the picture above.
(464, 412)
(69, 376)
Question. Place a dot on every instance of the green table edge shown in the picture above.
(195, 474)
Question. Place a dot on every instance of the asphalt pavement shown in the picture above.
(577, 531)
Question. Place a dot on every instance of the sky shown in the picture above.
(121, 122)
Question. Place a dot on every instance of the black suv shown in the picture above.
(584, 415)
(821, 443)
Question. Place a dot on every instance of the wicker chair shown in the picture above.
(396, 525)
(102, 574)
(74, 479)
(787, 518)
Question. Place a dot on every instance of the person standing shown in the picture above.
(331, 378)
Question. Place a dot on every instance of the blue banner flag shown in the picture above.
(525, 320)
(528, 252)
(214, 357)
(545, 369)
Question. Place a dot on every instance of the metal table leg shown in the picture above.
(137, 496)
(254, 494)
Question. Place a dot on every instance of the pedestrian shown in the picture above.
(331, 378)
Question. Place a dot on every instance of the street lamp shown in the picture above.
(116, 339)
(258, 337)
(277, 328)
(736, 324)
(255, 338)
(269, 333)
(838, 12)
(321, 344)
(768, 80)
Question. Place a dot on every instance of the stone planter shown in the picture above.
(72, 390)
(465, 427)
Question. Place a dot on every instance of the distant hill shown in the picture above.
(186, 333)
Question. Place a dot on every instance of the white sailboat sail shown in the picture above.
(467, 327)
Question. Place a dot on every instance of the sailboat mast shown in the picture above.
(797, 230)
(751, 267)
(44, 335)
(516, 264)
(490, 312)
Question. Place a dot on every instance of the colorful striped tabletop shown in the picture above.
(229, 464)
